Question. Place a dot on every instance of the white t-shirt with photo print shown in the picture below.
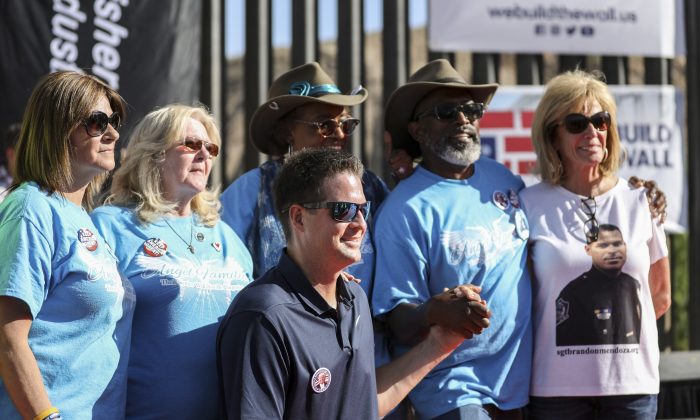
(557, 239)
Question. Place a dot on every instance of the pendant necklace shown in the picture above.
(190, 247)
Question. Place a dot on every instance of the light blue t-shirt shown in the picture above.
(54, 260)
(181, 297)
(435, 233)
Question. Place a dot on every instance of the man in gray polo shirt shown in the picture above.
(298, 342)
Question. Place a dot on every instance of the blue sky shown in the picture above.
(282, 29)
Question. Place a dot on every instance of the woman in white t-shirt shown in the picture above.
(601, 271)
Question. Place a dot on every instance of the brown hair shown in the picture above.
(57, 106)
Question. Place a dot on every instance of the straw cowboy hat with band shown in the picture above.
(306, 84)
(438, 74)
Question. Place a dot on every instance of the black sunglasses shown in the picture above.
(96, 123)
(472, 110)
(578, 123)
(327, 128)
(590, 226)
(341, 211)
(194, 144)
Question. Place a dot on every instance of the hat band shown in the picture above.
(307, 89)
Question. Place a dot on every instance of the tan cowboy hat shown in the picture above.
(299, 86)
(437, 74)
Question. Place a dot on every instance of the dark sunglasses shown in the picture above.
(578, 123)
(96, 123)
(590, 225)
(472, 110)
(341, 211)
(193, 144)
(327, 128)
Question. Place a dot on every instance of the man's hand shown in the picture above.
(655, 197)
(399, 160)
(459, 309)
(445, 339)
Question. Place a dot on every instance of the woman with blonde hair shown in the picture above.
(186, 266)
(600, 263)
(65, 312)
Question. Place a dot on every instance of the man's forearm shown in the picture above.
(396, 379)
(408, 323)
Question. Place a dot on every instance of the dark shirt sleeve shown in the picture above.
(253, 368)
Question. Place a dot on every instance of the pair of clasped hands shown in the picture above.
(459, 309)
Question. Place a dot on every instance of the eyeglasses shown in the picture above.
(341, 211)
(472, 110)
(96, 123)
(578, 123)
(590, 225)
(327, 128)
(193, 144)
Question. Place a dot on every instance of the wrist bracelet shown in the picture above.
(48, 414)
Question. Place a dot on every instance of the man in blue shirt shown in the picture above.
(298, 342)
(455, 220)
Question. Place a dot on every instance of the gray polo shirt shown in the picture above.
(283, 352)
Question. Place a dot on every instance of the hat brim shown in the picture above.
(265, 118)
(402, 103)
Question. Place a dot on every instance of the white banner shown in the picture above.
(608, 27)
(649, 123)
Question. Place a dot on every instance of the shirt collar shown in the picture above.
(302, 287)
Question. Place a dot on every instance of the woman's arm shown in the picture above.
(18, 368)
(660, 286)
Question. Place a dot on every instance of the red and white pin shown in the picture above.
(217, 246)
(155, 247)
(88, 239)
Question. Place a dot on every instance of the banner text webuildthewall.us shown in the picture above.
(108, 35)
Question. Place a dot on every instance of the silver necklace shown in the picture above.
(190, 247)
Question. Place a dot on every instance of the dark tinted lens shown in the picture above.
(347, 212)
(364, 208)
(327, 128)
(471, 110)
(115, 121)
(601, 121)
(212, 149)
(577, 123)
(193, 144)
(96, 124)
(349, 125)
(344, 212)
(446, 112)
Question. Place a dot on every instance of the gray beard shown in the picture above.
(460, 157)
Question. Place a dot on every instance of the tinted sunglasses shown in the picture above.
(590, 225)
(578, 123)
(96, 123)
(472, 110)
(193, 144)
(327, 128)
(341, 211)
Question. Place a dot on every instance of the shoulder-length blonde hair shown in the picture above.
(138, 182)
(57, 107)
(567, 93)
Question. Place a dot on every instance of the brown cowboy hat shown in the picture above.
(306, 84)
(438, 74)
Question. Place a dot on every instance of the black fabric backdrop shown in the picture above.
(148, 49)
